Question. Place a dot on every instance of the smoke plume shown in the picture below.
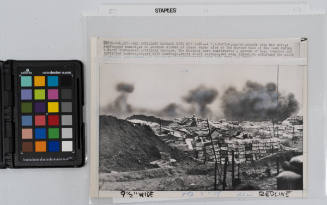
(172, 110)
(125, 87)
(201, 97)
(120, 106)
(258, 102)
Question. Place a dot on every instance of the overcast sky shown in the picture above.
(160, 84)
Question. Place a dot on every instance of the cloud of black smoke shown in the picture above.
(120, 106)
(125, 87)
(201, 97)
(258, 102)
(172, 110)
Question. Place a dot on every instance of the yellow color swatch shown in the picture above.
(40, 146)
(53, 107)
(39, 81)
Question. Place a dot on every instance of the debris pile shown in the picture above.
(210, 140)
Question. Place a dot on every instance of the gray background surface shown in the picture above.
(41, 29)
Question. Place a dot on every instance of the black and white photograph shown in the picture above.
(201, 127)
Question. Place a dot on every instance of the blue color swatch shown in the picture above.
(53, 146)
(40, 133)
(53, 81)
(26, 120)
(26, 94)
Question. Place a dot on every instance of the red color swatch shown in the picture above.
(53, 120)
(39, 120)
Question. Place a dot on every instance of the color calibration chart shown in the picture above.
(46, 113)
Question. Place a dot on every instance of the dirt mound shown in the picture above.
(149, 119)
(125, 146)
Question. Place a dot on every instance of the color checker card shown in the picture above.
(48, 101)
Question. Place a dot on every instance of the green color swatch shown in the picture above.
(26, 107)
(39, 94)
(53, 133)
